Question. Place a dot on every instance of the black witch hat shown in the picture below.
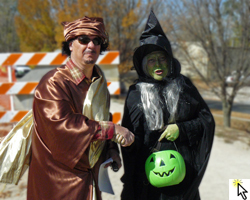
(153, 39)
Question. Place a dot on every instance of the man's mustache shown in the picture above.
(89, 51)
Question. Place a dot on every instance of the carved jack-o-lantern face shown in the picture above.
(165, 168)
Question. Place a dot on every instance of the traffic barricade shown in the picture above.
(21, 92)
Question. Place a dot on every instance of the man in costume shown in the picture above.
(72, 132)
(164, 106)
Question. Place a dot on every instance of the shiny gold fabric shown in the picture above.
(15, 151)
(61, 140)
(97, 109)
(85, 26)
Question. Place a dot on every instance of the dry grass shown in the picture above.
(231, 135)
(239, 121)
(239, 130)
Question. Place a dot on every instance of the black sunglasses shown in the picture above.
(84, 39)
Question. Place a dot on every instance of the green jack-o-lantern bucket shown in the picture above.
(165, 168)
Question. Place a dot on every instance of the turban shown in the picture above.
(85, 26)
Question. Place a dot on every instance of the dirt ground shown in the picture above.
(230, 159)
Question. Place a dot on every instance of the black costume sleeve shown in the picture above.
(199, 131)
(191, 130)
(132, 117)
(131, 120)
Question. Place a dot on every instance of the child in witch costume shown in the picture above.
(164, 106)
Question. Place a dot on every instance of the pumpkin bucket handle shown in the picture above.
(157, 147)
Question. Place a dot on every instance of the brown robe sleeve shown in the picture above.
(57, 109)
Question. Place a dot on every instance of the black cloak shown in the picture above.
(193, 117)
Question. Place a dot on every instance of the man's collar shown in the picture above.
(78, 75)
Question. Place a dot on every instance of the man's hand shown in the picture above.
(171, 133)
(112, 153)
(123, 136)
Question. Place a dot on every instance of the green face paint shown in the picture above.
(157, 65)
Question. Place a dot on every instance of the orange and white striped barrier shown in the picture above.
(16, 116)
(12, 116)
(19, 88)
(108, 59)
(52, 58)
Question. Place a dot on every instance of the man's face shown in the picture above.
(84, 52)
(157, 65)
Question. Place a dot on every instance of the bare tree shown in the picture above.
(126, 20)
(222, 29)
